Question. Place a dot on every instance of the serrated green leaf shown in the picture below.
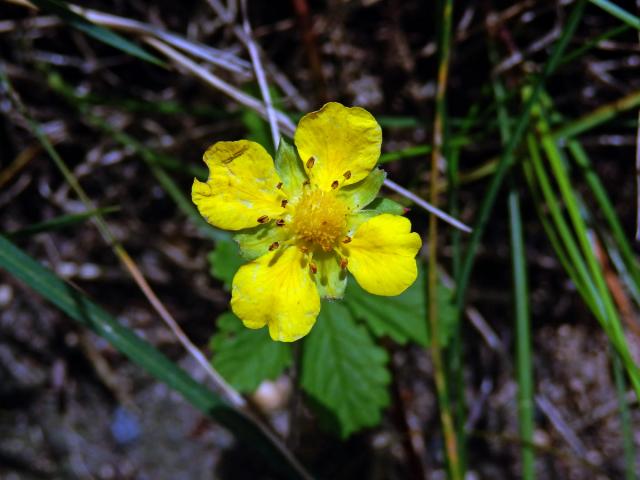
(402, 317)
(98, 32)
(246, 357)
(224, 261)
(344, 371)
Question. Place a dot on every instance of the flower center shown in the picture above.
(320, 219)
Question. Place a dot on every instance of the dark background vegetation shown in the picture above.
(72, 407)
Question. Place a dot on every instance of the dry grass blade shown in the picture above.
(260, 76)
(229, 393)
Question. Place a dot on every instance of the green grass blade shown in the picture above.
(524, 362)
(410, 152)
(153, 159)
(102, 34)
(618, 12)
(598, 116)
(578, 52)
(606, 207)
(626, 421)
(508, 154)
(577, 266)
(601, 296)
(90, 315)
(57, 223)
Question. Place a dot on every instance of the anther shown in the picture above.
(304, 249)
(343, 263)
(283, 203)
(335, 184)
(347, 174)
(280, 222)
(279, 185)
(347, 239)
(263, 219)
(311, 162)
(313, 268)
(273, 246)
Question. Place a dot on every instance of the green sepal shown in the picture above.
(331, 280)
(386, 205)
(359, 195)
(289, 168)
(255, 242)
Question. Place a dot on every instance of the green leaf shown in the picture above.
(102, 34)
(289, 168)
(224, 261)
(246, 357)
(344, 371)
(85, 312)
(402, 318)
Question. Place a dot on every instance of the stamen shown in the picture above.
(280, 222)
(273, 246)
(279, 185)
(304, 249)
(263, 219)
(335, 184)
(306, 183)
(283, 203)
(311, 162)
(343, 263)
(347, 239)
(313, 267)
(347, 174)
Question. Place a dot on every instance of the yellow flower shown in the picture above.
(303, 223)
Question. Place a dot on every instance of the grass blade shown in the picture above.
(618, 12)
(508, 155)
(524, 362)
(62, 221)
(625, 417)
(90, 315)
(98, 32)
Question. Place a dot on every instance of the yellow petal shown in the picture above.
(242, 186)
(277, 290)
(382, 255)
(343, 143)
